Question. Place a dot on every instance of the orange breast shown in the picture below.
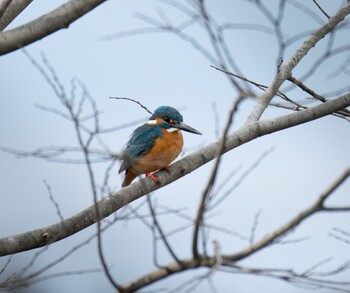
(165, 150)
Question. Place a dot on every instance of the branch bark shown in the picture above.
(110, 204)
(11, 11)
(45, 25)
(173, 268)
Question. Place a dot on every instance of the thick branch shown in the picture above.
(14, 8)
(45, 25)
(112, 203)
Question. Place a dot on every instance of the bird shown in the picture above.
(154, 145)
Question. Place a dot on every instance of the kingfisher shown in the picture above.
(154, 145)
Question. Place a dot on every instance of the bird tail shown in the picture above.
(129, 177)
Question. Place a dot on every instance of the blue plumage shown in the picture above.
(167, 112)
(141, 141)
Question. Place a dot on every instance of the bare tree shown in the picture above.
(81, 109)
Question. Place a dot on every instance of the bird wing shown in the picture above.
(141, 141)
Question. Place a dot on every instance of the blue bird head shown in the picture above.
(167, 112)
(172, 118)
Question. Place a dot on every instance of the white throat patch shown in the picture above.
(151, 122)
(173, 129)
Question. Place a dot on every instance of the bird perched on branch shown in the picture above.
(154, 145)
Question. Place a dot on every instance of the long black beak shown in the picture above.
(185, 127)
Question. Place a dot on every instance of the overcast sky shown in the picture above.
(161, 69)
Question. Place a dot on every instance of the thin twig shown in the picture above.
(301, 85)
(5, 265)
(322, 10)
(55, 203)
(211, 181)
(160, 231)
(74, 114)
(254, 227)
(213, 204)
(318, 206)
(132, 100)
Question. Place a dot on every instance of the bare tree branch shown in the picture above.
(316, 207)
(286, 69)
(3, 6)
(5, 265)
(85, 145)
(322, 10)
(81, 111)
(160, 230)
(10, 9)
(306, 277)
(113, 202)
(18, 280)
(55, 203)
(344, 114)
(186, 264)
(254, 227)
(219, 199)
(134, 101)
(211, 181)
(45, 25)
(292, 79)
(341, 235)
(85, 136)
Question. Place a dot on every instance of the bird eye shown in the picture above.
(170, 121)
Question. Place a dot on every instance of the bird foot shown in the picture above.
(167, 168)
(153, 177)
